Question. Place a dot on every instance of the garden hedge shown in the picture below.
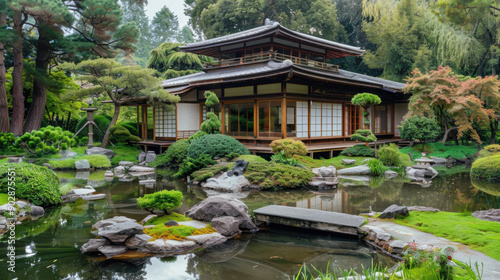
(487, 168)
(215, 145)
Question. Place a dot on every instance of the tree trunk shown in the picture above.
(445, 137)
(494, 129)
(107, 135)
(16, 126)
(4, 105)
(37, 107)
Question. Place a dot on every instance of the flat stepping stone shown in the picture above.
(310, 218)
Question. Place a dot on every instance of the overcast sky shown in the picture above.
(176, 6)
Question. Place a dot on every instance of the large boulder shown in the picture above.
(227, 226)
(119, 171)
(348, 161)
(227, 183)
(126, 164)
(438, 160)
(82, 165)
(93, 245)
(141, 157)
(119, 232)
(357, 170)
(219, 206)
(389, 174)
(207, 240)
(37, 210)
(150, 156)
(112, 250)
(394, 210)
(324, 171)
(137, 240)
(141, 169)
(488, 215)
(100, 151)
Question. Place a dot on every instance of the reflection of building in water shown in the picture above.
(332, 202)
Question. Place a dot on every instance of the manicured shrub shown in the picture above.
(389, 155)
(376, 167)
(289, 147)
(197, 135)
(358, 151)
(363, 135)
(277, 175)
(35, 183)
(252, 158)
(215, 145)
(487, 168)
(173, 156)
(232, 156)
(283, 159)
(366, 100)
(47, 140)
(120, 134)
(131, 126)
(489, 150)
(102, 122)
(419, 128)
(190, 165)
(7, 143)
(162, 200)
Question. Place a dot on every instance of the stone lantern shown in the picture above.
(90, 123)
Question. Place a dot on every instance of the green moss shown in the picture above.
(251, 158)
(95, 161)
(65, 188)
(480, 235)
(4, 160)
(358, 150)
(437, 149)
(210, 171)
(125, 153)
(4, 198)
(183, 231)
(335, 161)
(487, 168)
(165, 218)
(277, 175)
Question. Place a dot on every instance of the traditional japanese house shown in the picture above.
(274, 83)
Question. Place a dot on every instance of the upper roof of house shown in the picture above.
(264, 34)
(268, 69)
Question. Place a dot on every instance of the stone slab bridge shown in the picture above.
(309, 219)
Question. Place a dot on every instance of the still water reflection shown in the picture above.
(48, 248)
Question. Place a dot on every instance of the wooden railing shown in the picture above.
(272, 56)
(184, 134)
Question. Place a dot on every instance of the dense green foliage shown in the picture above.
(95, 161)
(125, 153)
(365, 100)
(198, 134)
(487, 168)
(121, 134)
(277, 176)
(377, 168)
(358, 151)
(170, 62)
(47, 140)
(480, 235)
(163, 200)
(252, 158)
(7, 144)
(363, 135)
(289, 147)
(190, 165)
(389, 155)
(173, 156)
(215, 145)
(284, 159)
(419, 128)
(35, 183)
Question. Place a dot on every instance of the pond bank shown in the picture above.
(491, 269)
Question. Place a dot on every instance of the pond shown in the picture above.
(48, 248)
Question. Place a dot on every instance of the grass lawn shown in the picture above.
(3, 198)
(170, 217)
(4, 160)
(480, 235)
(122, 153)
(335, 161)
(437, 149)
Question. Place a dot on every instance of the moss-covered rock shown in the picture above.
(35, 183)
(277, 175)
(487, 168)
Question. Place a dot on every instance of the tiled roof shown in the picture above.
(233, 36)
(265, 69)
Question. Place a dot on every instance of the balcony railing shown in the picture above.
(266, 56)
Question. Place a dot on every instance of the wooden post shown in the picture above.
(283, 118)
(138, 118)
(144, 122)
(223, 119)
(154, 125)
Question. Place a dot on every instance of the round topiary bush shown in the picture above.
(487, 168)
(120, 134)
(358, 151)
(35, 183)
(290, 147)
(215, 145)
(162, 200)
(173, 156)
(102, 122)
